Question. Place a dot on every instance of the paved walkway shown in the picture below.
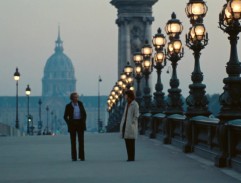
(46, 159)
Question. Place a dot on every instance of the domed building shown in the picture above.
(47, 110)
(59, 76)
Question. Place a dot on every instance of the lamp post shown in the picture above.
(122, 87)
(159, 42)
(52, 121)
(138, 58)
(47, 128)
(109, 109)
(27, 92)
(115, 113)
(196, 40)
(99, 121)
(147, 68)
(138, 76)
(128, 79)
(16, 78)
(174, 54)
(40, 120)
(117, 94)
(128, 69)
(123, 78)
(123, 83)
(229, 22)
(55, 124)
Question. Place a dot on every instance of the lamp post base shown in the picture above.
(229, 114)
(187, 148)
(220, 161)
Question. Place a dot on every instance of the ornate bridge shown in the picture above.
(192, 127)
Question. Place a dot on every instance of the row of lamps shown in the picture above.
(196, 40)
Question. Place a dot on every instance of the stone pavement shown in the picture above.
(45, 159)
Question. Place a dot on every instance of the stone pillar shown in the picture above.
(124, 51)
(148, 33)
(134, 22)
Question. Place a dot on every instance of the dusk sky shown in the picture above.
(29, 29)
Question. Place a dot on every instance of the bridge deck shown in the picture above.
(46, 159)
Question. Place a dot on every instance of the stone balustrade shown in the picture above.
(6, 130)
(200, 135)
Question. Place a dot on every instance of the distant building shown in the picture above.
(59, 76)
(57, 83)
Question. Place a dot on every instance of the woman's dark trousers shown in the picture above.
(130, 147)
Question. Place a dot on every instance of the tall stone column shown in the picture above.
(148, 33)
(123, 43)
(134, 22)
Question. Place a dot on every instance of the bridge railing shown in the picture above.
(234, 143)
(7, 130)
(204, 136)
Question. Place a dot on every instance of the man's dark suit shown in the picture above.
(76, 126)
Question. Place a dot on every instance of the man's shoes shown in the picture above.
(82, 159)
(130, 160)
(74, 159)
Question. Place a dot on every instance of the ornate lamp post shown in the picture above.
(147, 67)
(174, 54)
(196, 40)
(117, 94)
(123, 78)
(109, 109)
(16, 78)
(138, 58)
(121, 83)
(27, 92)
(112, 109)
(159, 42)
(128, 71)
(122, 87)
(40, 119)
(56, 129)
(115, 114)
(138, 76)
(127, 81)
(47, 128)
(99, 121)
(229, 22)
(117, 90)
(52, 121)
(130, 81)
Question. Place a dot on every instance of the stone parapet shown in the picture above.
(6, 130)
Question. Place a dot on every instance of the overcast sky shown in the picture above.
(28, 30)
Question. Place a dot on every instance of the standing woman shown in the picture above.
(129, 124)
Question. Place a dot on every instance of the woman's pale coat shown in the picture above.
(131, 129)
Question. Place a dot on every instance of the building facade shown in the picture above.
(47, 111)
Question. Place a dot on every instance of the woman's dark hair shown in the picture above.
(130, 94)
